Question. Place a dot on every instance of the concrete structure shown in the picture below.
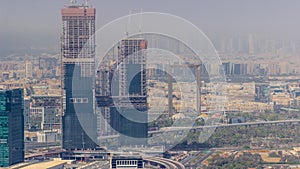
(49, 118)
(127, 120)
(262, 93)
(49, 115)
(77, 58)
(27, 114)
(11, 127)
(85, 155)
(47, 136)
(53, 164)
(5, 76)
(119, 162)
(28, 69)
(122, 92)
(230, 68)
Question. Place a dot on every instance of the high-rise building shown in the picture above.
(121, 92)
(251, 44)
(127, 98)
(27, 114)
(78, 55)
(28, 69)
(11, 127)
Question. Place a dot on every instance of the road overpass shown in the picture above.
(163, 162)
(195, 128)
(260, 123)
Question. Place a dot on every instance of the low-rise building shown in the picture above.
(47, 136)
(118, 162)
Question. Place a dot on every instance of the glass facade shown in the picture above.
(79, 102)
(11, 127)
(78, 54)
(128, 116)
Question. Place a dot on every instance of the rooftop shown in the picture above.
(46, 165)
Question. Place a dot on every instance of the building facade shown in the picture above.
(11, 127)
(131, 121)
(49, 118)
(126, 96)
(78, 55)
(128, 162)
(27, 125)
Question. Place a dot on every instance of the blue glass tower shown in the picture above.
(11, 127)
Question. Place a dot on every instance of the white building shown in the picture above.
(47, 136)
(28, 69)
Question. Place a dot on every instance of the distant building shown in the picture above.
(262, 92)
(47, 136)
(234, 68)
(227, 68)
(47, 63)
(251, 44)
(28, 70)
(5, 76)
(27, 114)
(11, 127)
(36, 113)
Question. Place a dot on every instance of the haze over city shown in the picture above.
(168, 84)
(26, 24)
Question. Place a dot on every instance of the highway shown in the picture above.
(167, 163)
(175, 129)
(96, 165)
(35, 145)
(171, 129)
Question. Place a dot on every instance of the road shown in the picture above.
(169, 164)
(175, 129)
(171, 129)
(35, 145)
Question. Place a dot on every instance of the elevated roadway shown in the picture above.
(167, 163)
(176, 129)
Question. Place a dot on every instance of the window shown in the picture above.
(79, 100)
(85, 100)
(72, 100)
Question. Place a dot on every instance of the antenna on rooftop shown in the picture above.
(128, 24)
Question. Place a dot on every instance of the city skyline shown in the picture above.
(195, 85)
(273, 20)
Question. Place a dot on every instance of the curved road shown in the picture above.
(169, 164)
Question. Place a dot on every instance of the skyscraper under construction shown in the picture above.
(77, 58)
(122, 93)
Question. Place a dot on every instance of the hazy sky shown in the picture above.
(38, 22)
